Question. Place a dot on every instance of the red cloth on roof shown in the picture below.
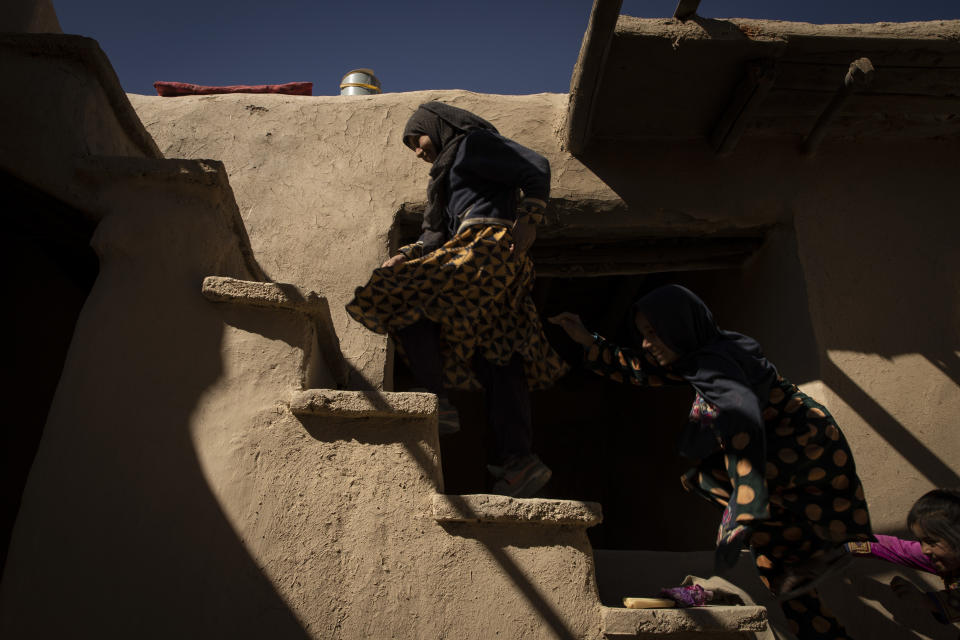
(169, 89)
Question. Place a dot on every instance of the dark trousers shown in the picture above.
(506, 397)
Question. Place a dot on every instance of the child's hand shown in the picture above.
(394, 261)
(905, 590)
(571, 323)
(524, 233)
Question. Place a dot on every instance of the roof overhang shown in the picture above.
(719, 80)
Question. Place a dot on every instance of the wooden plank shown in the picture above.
(588, 71)
(882, 52)
(686, 9)
(878, 126)
(643, 255)
(859, 75)
(919, 81)
(746, 100)
(639, 255)
(857, 125)
(619, 269)
(790, 102)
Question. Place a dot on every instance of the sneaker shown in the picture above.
(447, 417)
(520, 477)
(448, 420)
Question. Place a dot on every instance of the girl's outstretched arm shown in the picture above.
(907, 553)
(573, 325)
(602, 357)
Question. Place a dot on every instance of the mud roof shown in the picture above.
(720, 80)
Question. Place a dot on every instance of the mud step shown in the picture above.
(280, 295)
(363, 404)
(496, 509)
(720, 622)
(264, 294)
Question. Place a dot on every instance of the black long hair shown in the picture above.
(938, 512)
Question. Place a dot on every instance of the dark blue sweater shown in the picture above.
(483, 183)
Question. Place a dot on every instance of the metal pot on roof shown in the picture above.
(359, 82)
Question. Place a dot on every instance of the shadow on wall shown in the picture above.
(768, 300)
(862, 259)
(887, 282)
(119, 530)
(420, 449)
(860, 596)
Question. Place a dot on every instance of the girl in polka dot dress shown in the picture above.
(769, 455)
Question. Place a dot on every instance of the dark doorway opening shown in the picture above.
(604, 442)
(51, 269)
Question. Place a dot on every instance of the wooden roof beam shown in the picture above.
(686, 9)
(588, 71)
(750, 92)
(859, 75)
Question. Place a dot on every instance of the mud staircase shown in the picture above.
(107, 161)
(325, 376)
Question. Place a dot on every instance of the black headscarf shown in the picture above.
(728, 369)
(447, 126)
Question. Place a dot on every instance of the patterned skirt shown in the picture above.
(816, 501)
(478, 291)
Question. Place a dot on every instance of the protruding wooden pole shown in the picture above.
(588, 71)
(749, 93)
(686, 9)
(859, 75)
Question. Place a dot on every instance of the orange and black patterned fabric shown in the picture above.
(478, 290)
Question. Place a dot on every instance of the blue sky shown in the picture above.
(488, 46)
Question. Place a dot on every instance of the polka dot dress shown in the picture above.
(816, 501)
(805, 502)
(809, 475)
(478, 291)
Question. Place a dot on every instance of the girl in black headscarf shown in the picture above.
(457, 302)
(770, 456)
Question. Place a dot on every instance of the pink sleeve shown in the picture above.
(896, 550)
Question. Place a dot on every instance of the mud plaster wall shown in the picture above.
(174, 492)
(71, 107)
(855, 295)
(175, 480)
(318, 180)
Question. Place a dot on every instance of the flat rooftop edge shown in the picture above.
(642, 623)
(363, 404)
(497, 509)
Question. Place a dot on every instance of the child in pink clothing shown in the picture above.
(935, 521)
